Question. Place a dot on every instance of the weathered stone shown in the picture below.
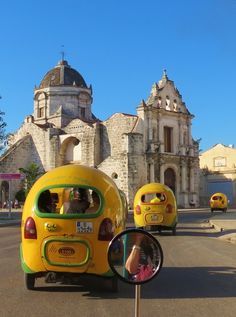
(155, 145)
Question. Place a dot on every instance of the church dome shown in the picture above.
(62, 75)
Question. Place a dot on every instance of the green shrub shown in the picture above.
(20, 195)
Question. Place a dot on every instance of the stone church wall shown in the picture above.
(18, 156)
(113, 130)
(115, 148)
(41, 142)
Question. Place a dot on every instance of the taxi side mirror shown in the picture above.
(135, 256)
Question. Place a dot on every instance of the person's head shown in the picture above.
(160, 196)
(45, 200)
(79, 193)
(143, 198)
(76, 193)
(95, 198)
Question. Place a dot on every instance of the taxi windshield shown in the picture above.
(216, 198)
(69, 200)
(153, 198)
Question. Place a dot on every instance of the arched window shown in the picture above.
(168, 139)
(175, 105)
(114, 175)
(168, 103)
(41, 106)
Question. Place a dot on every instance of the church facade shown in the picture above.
(155, 145)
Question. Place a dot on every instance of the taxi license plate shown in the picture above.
(154, 218)
(84, 227)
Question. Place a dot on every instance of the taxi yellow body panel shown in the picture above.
(71, 242)
(150, 210)
(219, 201)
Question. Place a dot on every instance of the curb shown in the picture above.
(7, 223)
(216, 227)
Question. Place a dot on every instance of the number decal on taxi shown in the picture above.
(84, 227)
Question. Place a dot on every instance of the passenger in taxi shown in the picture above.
(159, 197)
(79, 203)
(45, 202)
(95, 203)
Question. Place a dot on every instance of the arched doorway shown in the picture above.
(169, 179)
(70, 151)
(4, 193)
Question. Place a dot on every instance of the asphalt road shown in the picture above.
(197, 279)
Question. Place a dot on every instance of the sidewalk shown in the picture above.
(225, 223)
(12, 218)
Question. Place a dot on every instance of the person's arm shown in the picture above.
(132, 262)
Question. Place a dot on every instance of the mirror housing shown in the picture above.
(135, 256)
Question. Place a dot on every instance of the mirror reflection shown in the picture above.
(135, 256)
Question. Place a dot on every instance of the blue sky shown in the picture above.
(121, 48)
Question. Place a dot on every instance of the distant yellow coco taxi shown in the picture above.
(219, 201)
(155, 207)
(69, 217)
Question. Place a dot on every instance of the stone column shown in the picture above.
(162, 174)
(151, 171)
(189, 133)
(184, 183)
(192, 178)
(150, 132)
(180, 133)
(183, 176)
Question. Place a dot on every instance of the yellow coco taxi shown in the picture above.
(155, 207)
(70, 215)
(219, 201)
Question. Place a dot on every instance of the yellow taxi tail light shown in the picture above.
(106, 230)
(138, 210)
(30, 231)
(169, 209)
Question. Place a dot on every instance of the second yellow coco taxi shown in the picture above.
(155, 207)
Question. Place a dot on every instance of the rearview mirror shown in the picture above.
(135, 256)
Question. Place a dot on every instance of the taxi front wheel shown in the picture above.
(29, 281)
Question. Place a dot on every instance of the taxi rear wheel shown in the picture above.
(174, 230)
(154, 228)
(29, 281)
(114, 284)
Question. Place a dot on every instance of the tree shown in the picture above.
(3, 136)
(20, 195)
(32, 173)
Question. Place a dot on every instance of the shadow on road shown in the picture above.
(171, 283)
(193, 282)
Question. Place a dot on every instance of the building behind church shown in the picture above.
(155, 145)
(218, 173)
